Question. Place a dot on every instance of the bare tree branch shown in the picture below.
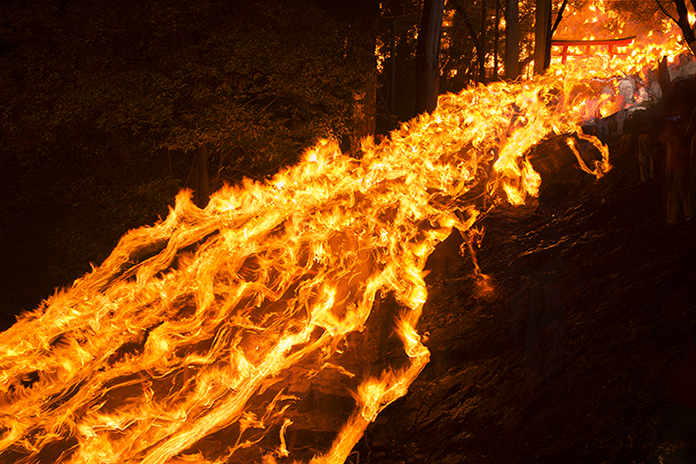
(472, 32)
(666, 12)
(683, 22)
(462, 12)
(559, 17)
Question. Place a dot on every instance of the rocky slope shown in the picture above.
(577, 347)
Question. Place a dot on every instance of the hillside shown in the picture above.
(581, 350)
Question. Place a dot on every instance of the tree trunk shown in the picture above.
(364, 112)
(512, 40)
(392, 68)
(201, 192)
(559, 17)
(496, 35)
(364, 109)
(683, 22)
(542, 35)
(427, 72)
(476, 38)
(482, 48)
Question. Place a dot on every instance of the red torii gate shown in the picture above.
(611, 43)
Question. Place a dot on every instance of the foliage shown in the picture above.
(175, 75)
(105, 102)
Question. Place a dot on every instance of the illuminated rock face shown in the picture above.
(249, 331)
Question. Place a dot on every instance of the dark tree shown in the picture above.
(427, 55)
(478, 38)
(682, 20)
(542, 35)
(496, 38)
(364, 16)
(512, 39)
(482, 49)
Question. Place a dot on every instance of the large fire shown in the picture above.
(199, 337)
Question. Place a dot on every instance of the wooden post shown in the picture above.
(392, 68)
(482, 43)
(496, 34)
(512, 40)
(542, 34)
(202, 192)
(428, 51)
